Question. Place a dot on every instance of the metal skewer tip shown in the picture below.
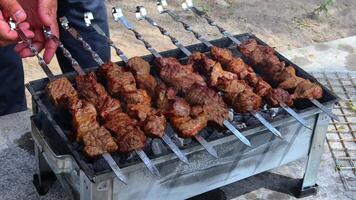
(267, 124)
(295, 115)
(175, 149)
(115, 167)
(325, 109)
(151, 167)
(206, 146)
(237, 133)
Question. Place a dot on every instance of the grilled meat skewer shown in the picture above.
(264, 58)
(193, 87)
(128, 135)
(274, 97)
(121, 83)
(189, 6)
(97, 140)
(176, 109)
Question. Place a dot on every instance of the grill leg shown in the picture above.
(44, 177)
(308, 184)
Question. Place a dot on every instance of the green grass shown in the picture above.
(324, 7)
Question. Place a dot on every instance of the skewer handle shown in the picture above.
(88, 17)
(66, 53)
(188, 5)
(187, 27)
(141, 13)
(115, 168)
(41, 62)
(119, 17)
(148, 163)
(65, 24)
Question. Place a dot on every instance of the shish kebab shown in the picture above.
(130, 136)
(138, 103)
(240, 99)
(97, 140)
(227, 82)
(187, 82)
(186, 120)
(275, 97)
(290, 82)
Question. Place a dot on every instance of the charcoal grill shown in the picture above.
(57, 154)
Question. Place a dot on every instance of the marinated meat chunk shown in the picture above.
(61, 89)
(277, 96)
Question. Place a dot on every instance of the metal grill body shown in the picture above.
(180, 181)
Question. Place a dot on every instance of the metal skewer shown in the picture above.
(65, 24)
(88, 16)
(188, 5)
(141, 13)
(29, 44)
(119, 17)
(108, 158)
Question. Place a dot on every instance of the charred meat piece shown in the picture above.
(222, 55)
(146, 82)
(244, 102)
(238, 67)
(262, 88)
(96, 94)
(155, 125)
(232, 86)
(179, 76)
(277, 96)
(138, 101)
(129, 136)
(97, 140)
(138, 111)
(141, 70)
(83, 117)
(210, 67)
(138, 96)
(59, 90)
(262, 56)
(177, 110)
(169, 104)
(214, 106)
(287, 79)
(138, 65)
(307, 90)
(118, 81)
(109, 106)
(188, 127)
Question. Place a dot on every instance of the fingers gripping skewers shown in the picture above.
(137, 102)
(306, 90)
(182, 78)
(176, 109)
(239, 97)
(127, 131)
(97, 140)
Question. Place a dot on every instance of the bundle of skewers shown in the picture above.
(119, 107)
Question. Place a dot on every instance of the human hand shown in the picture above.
(40, 13)
(11, 8)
